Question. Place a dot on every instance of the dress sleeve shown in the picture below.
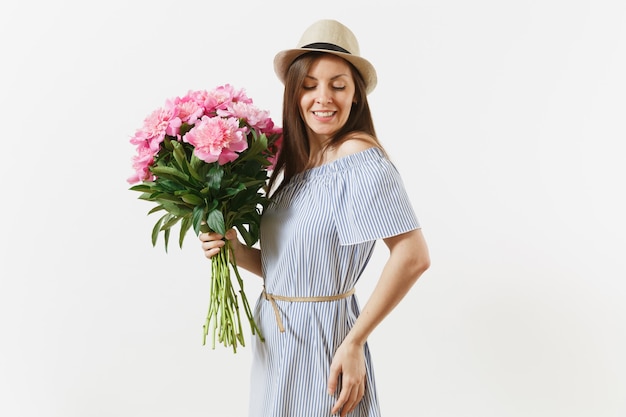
(371, 201)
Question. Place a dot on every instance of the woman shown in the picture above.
(334, 194)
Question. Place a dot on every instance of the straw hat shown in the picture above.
(331, 37)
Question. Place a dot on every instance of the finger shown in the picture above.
(352, 392)
(212, 244)
(333, 379)
(208, 236)
(360, 392)
(211, 252)
(212, 247)
(231, 234)
(204, 237)
(350, 402)
(344, 396)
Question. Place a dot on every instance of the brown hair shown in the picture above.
(295, 155)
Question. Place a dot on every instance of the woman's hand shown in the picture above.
(212, 242)
(349, 364)
(247, 258)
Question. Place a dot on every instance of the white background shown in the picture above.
(505, 118)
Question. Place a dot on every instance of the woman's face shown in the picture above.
(326, 97)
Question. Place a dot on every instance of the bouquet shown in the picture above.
(204, 159)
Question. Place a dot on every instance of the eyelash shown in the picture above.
(334, 88)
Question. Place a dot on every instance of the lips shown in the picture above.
(324, 113)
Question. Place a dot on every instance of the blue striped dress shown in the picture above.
(317, 237)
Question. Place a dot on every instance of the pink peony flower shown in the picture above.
(217, 139)
(141, 163)
(156, 126)
(189, 110)
(148, 138)
(220, 97)
(255, 117)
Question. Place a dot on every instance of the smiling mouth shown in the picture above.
(323, 113)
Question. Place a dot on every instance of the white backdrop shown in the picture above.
(506, 120)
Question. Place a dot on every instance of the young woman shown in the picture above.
(334, 194)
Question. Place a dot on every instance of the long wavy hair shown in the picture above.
(295, 154)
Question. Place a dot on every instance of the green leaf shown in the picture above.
(141, 188)
(156, 229)
(215, 221)
(179, 155)
(184, 128)
(167, 144)
(192, 199)
(214, 177)
(169, 173)
(175, 209)
(194, 167)
(185, 225)
(169, 185)
(164, 196)
(197, 218)
(254, 230)
(258, 184)
(212, 205)
(245, 234)
(155, 209)
(166, 237)
(232, 191)
(256, 147)
(170, 221)
(146, 196)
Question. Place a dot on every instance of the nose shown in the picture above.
(324, 97)
(324, 100)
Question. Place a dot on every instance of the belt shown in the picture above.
(272, 299)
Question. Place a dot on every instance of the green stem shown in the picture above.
(223, 319)
(253, 326)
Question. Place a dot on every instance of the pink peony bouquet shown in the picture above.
(204, 159)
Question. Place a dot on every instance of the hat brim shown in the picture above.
(284, 59)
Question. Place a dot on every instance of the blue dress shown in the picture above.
(317, 237)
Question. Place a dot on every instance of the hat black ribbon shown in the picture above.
(326, 46)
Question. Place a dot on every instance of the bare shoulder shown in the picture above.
(354, 143)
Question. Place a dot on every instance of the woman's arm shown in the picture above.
(247, 258)
(408, 259)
